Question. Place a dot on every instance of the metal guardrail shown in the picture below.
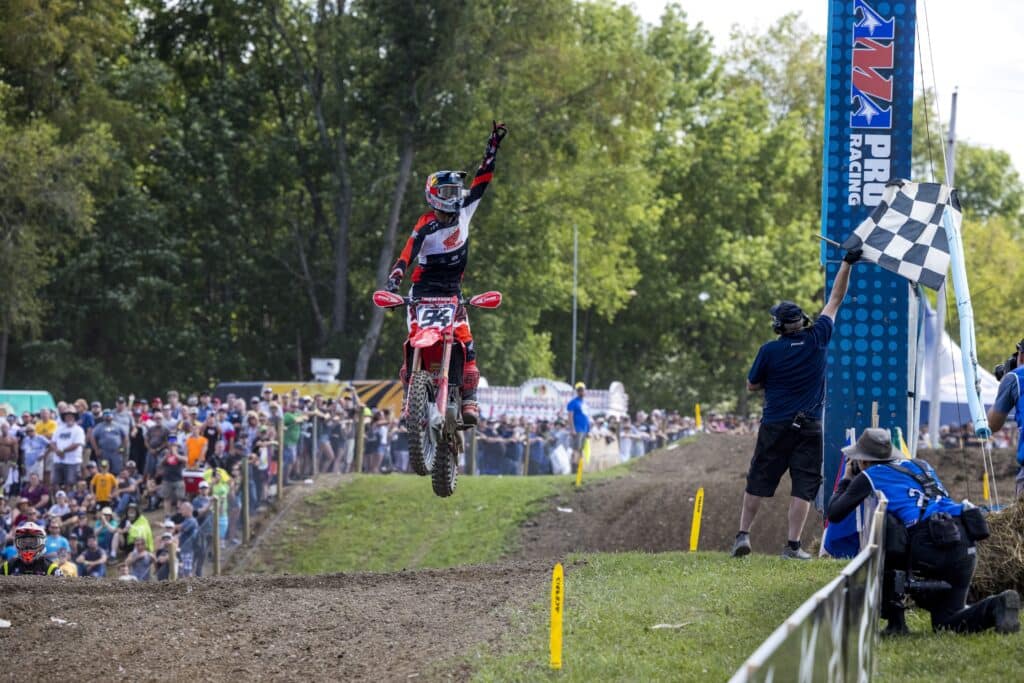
(833, 636)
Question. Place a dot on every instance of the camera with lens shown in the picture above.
(1010, 363)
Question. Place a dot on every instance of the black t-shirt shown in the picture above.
(212, 435)
(172, 468)
(81, 534)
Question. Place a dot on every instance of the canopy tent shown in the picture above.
(952, 389)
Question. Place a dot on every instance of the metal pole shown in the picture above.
(316, 442)
(246, 531)
(216, 536)
(279, 426)
(934, 377)
(470, 451)
(575, 266)
(359, 434)
(526, 457)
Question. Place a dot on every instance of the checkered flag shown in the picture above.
(904, 233)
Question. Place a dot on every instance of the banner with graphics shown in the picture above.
(869, 100)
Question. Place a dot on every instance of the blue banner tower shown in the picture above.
(869, 101)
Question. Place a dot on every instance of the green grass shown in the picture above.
(949, 656)
(727, 608)
(390, 523)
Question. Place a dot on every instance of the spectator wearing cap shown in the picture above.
(203, 406)
(123, 415)
(105, 527)
(8, 454)
(162, 561)
(141, 561)
(127, 489)
(157, 435)
(109, 441)
(266, 398)
(203, 512)
(171, 467)
(34, 448)
(60, 508)
(579, 421)
(68, 445)
(212, 431)
(103, 484)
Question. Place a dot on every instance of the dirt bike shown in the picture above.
(433, 404)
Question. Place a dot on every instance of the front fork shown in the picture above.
(442, 382)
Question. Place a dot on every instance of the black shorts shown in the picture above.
(780, 447)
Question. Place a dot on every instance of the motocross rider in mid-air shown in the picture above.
(439, 245)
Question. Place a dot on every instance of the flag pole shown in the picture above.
(828, 241)
(934, 377)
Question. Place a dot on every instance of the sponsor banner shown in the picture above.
(869, 102)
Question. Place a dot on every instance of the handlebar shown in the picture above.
(385, 299)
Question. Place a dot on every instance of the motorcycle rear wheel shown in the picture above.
(446, 469)
(422, 447)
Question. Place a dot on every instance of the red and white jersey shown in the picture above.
(440, 252)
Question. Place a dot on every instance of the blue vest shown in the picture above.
(1018, 415)
(905, 495)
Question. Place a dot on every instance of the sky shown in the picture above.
(977, 49)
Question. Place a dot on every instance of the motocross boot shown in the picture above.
(470, 408)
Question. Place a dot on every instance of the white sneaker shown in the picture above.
(798, 554)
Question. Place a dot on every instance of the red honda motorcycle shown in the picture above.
(433, 404)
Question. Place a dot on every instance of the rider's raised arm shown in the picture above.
(486, 171)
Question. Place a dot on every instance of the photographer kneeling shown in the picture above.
(928, 536)
(1010, 374)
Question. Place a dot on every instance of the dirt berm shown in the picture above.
(651, 508)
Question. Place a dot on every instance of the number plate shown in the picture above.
(434, 316)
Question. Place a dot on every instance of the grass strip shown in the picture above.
(720, 608)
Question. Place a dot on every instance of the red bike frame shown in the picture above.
(434, 333)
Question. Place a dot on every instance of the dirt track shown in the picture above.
(334, 627)
(387, 626)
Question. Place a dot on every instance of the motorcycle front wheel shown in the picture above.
(446, 469)
(422, 444)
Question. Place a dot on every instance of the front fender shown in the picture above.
(424, 338)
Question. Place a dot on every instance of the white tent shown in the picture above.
(952, 390)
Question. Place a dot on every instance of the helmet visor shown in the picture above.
(449, 191)
(28, 543)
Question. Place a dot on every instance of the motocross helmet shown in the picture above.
(29, 539)
(444, 190)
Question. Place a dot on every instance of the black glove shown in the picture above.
(498, 133)
(853, 255)
(395, 280)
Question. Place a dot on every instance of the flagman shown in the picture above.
(791, 372)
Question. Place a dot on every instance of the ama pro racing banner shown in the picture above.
(869, 99)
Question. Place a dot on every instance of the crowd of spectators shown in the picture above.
(121, 487)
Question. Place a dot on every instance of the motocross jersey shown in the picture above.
(441, 251)
(40, 567)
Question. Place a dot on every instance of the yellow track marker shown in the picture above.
(698, 510)
(579, 472)
(700, 424)
(557, 607)
(984, 486)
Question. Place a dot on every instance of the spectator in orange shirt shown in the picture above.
(196, 446)
(103, 484)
